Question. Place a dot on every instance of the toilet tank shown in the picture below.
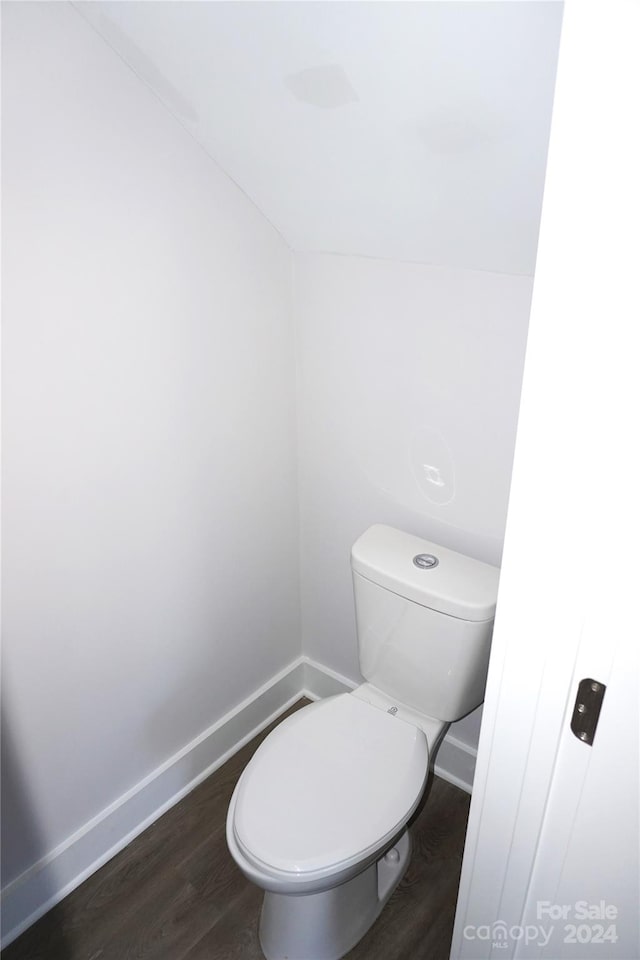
(425, 617)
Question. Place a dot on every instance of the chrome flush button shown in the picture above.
(426, 561)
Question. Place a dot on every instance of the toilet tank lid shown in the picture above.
(457, 585)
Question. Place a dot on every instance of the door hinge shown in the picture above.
(587, 709)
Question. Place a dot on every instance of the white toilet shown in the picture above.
(319, 816)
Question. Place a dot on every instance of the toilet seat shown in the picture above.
(330, 786)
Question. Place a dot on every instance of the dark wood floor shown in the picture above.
(176, 894)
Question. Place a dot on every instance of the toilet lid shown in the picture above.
(329, 785)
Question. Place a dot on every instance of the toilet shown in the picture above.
(318, 818)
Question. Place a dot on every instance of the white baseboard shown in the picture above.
(50, 879)
(320, 681)
(456, 762)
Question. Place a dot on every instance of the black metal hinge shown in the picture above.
(587, 709)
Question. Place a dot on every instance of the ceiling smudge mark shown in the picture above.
(325, 86)
(466, 130)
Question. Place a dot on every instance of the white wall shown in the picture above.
(409, 382)
(150, 532)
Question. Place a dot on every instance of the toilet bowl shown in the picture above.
(319, 817)
(318, 820)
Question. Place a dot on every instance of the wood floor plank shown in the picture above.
(175, 893)
(235, 936)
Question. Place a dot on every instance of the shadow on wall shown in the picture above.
(22, 844)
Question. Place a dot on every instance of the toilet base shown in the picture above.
(327, 924)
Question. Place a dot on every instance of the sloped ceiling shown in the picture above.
(407, 131)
